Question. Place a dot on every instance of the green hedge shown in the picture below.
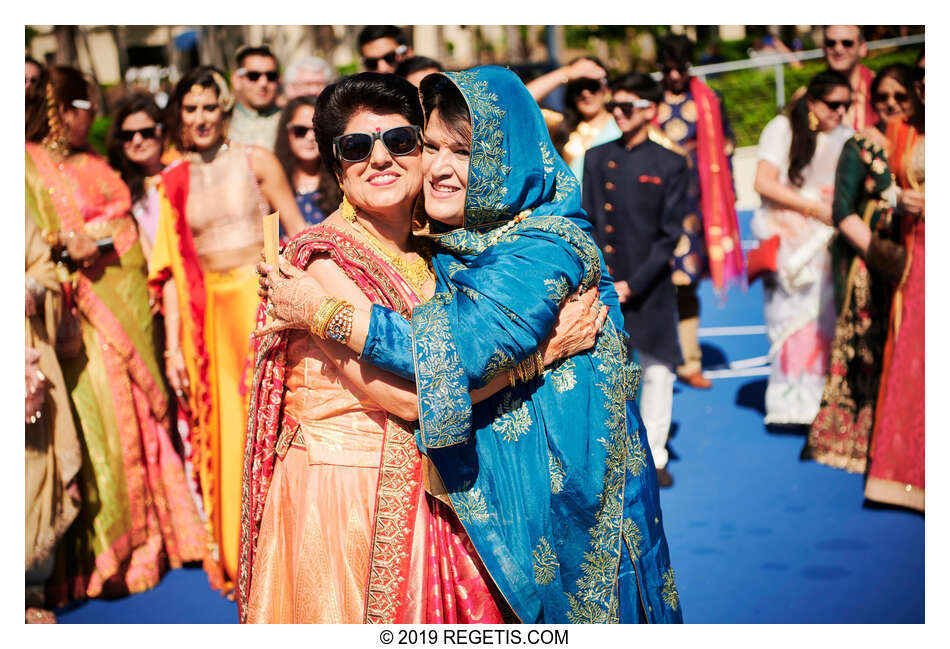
(749, 95)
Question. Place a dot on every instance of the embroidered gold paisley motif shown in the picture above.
(563, 377)
(632, 537)
(545, 562)
(498, 363)
(558, 288)
(670, 597)
(470, 506)
(557, 474)
(512, 419)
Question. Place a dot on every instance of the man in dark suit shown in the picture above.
(635, 193)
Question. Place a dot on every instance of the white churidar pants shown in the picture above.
(656, 404)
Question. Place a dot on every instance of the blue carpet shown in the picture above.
(755, 534)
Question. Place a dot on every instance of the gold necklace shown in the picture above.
(415, 272)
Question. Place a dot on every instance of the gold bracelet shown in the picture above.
(322, 316)
(325, 332)
(340, 326)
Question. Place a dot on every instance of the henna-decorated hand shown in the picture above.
(292, 299)
(580, 320)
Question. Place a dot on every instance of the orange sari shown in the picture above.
(337, 526)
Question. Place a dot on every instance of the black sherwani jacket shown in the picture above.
(636, 200)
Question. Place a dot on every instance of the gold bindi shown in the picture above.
(196, 89)
(444, 142)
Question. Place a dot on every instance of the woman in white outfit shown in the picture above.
(795, 177)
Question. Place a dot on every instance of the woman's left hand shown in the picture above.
(293, 297)
(578, 324)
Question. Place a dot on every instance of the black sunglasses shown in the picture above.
(899, 97)
(846, 43)
(681, 68)
(148, 133)
(590, 85)
(627, 107)
(835, 105)
(372, 62)
(254, 75)
(299, 131)
(356, 147)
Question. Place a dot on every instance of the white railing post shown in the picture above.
(779, 86)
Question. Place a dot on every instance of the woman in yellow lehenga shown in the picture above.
(137, 515)
(209, 238)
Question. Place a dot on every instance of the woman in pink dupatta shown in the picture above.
(338, 525)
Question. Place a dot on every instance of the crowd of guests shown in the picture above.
(172, 417)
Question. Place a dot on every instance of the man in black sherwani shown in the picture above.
(635, 193)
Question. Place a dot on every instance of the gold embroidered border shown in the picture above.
(396, 504)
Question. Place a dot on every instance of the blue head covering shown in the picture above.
(513, 165)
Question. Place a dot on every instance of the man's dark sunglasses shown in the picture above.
(590, 85)
(681, 68)
(627, 106)
(846, 43)
(148, 133)
(254, 75)
(298, 131)
(835, 105)
(372, 62)
(356, 147)
(899, 97)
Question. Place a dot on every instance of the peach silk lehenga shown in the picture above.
(337, 527)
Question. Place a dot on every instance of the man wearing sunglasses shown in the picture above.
(255, 82)
(383, 47)
(844, 48)
(692, 115)
(635, 193)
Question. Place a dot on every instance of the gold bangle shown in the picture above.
(322, 315)
(337, 308)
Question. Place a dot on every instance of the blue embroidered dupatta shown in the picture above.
(552, 478)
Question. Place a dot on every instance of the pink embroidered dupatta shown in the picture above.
(721, 223)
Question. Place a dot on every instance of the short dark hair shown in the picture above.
(438, 91)
(416, 63)
(674, 48)
(640, 84)
(132, 173)
(380, 93)
(254, 50)
(371, 33)
(30, 59)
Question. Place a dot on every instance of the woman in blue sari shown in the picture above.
(551, 476)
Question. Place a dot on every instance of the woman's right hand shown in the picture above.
(584, 69)
(175, 370)
(293, 297)
(81, 247)
(580, 320)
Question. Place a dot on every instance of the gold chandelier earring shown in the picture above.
(812, 121)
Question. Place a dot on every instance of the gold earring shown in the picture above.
(812, 121)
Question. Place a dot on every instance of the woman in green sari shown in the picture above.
(137, 515)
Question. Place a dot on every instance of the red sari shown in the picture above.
(896, 474)
(337, 524)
